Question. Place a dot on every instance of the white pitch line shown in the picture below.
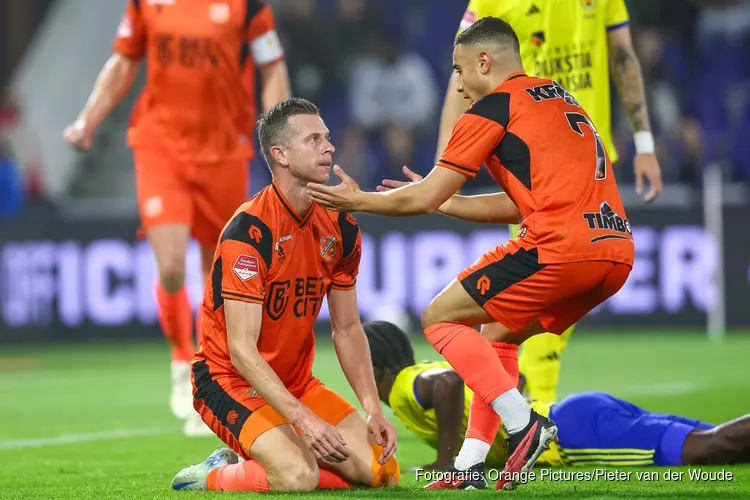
(83, 438)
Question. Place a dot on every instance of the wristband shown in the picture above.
(644, 142)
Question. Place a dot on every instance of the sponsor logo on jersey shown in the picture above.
(279, 249)
(125, 29)
(588, 4)
(607, 219)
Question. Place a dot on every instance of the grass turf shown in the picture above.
(63, 407)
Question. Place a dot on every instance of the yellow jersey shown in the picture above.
(421, 422)
(564, 40)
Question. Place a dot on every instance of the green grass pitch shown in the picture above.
(92, 421)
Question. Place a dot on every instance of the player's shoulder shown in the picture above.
(253, 224)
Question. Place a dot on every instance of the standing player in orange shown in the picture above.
(575, 248)
(191, 133)
(277, 259)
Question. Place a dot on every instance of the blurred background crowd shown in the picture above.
(378, 70)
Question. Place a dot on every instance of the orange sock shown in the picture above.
(329, 480)
(251, 476)
(473, 358)
(484, 422)
(199, 325)
(246, 476)
(176, 320)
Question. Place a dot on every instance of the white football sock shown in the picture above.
(514, 411)
(473, 451)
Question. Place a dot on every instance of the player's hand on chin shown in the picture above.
(342, 197)
(322, 438)
(383, 433)
(388, 184)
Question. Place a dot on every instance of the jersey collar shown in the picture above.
(300, 220)
(513, 76)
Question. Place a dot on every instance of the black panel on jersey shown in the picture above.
(230, 412)
(502, 274)
(495, 107)
(349, 233)
(216, 278)
(514, 154)
(239, 230)
(252, 7)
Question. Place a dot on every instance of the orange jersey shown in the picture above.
(199, 98)
(270, 255)
(540, 146)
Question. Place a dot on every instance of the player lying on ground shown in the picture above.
(431, 400)
(277, 259)
(574, 251)
(191, 134)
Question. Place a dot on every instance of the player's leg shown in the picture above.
(166, 214)
(362, 467)
(540, 363)
(481, 296)
(276, 458)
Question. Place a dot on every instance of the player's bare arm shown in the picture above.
(492, 208)
(454, 105)
(243, 321)
(443, 390)
(275, 84)
(353, 353)
(628, 78)
(416, 198)
(114, 81)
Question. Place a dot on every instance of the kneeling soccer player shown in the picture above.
(594, 428)
(276, 261)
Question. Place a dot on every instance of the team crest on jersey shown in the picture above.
(219, 12)
(588, 4)
(245, 267)
(329, 247)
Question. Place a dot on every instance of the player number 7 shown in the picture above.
(575, 120)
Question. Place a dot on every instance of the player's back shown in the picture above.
(552, 163)
(195, 97)
(272, 256)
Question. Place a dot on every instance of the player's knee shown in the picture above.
(294, 477)
(172, 273)
(430, 316)
(384, 475)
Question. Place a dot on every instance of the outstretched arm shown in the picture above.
(496, 208)
(353, 352)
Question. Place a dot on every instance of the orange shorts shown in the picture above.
(238, 416)
(203, 196)
(516, 290)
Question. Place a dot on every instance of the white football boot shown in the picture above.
(193, 478)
